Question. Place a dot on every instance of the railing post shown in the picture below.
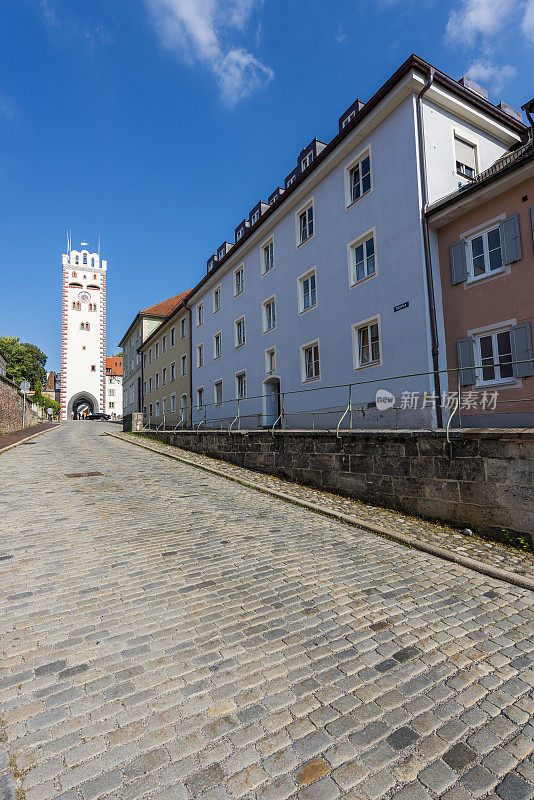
(205, 417)
(459, 400)
(350, 404)
(238, 417)
(283, 413)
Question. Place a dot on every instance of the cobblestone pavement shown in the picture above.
(492, 553)
(171, 635)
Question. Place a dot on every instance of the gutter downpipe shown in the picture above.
(426, 244)
(190, 362)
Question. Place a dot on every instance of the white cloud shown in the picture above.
(472, 19)
(491, 75)
(528, 21)
(199, 30)
(65, 27)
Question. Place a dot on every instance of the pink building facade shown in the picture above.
(484, 237)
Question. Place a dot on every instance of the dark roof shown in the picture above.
(510, 161)
(166, 307)
(413, 62)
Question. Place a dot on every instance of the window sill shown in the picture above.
(266, 271)
(311, 380)
(504, 382)
(240, 345)
(366, 366)
(216, 358)
(363, 280)
(238, 294)
(305, 310)
(353, 202)
(496, 273)
(305, 240)
(269, 330)
(216, 310)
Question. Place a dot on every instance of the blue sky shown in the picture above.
(160, 123)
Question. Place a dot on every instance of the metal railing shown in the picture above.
(348, 410)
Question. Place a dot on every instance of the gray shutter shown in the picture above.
(458, 255)
(466, 359)
(510, 239)
(532, 221)
(522, 350)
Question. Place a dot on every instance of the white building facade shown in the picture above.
(114, 395)
(83, 334)
(323, 299)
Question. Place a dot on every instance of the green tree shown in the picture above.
(24, 361)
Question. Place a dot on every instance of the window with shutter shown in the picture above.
(466, 361)
(521, 340)
(484, 253)
(465, 155)
(511, 239)
(458, 257)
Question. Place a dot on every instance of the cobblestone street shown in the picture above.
(169, 634)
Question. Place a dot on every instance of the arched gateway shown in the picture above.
(81, 404)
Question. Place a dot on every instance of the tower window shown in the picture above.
(93, 367)
(74, 274)
(85, 258)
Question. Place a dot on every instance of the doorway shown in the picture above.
(271, 403)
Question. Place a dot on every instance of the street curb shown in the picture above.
(401, 538)
(34, 436)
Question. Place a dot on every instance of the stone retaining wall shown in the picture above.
(11, 408)
(485, 481)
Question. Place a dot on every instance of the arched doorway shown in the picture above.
(81, 405)
(271, 402)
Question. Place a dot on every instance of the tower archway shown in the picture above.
(82, 402)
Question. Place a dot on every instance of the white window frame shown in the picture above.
(303, 348)
(200, 314)
(200, 398)
(349, 202)
(264, 305)
(157, 409)
(183, 328)
(144, 360)
(236, 336)
(300, 290)
(263, 247)
(217, 294)
(492, 330)
(483, 230)
(164, 376)
(150, 355)
(200, 355)
(241, 374)
(156, 351)
(355, 345)
(150, 409)
(164, 405)
(164, 344)
(173, 403)
(173, 336)
(183, 365)
(254, 217)
(351, 255)
(302, 210)
(268, 352)
(150, 385)
(240, 268)
(218, 383)
(173, 371)
(468, 138)
(156, 381)
(306, 161)
(216, 336)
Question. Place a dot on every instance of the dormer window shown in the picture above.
(239, 234)
(306, 161)
(255, 217)
(291, 179)
(348, 119)
(465, 155)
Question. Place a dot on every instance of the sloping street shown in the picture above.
(168, 634)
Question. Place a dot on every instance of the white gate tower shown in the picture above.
(83, 333)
